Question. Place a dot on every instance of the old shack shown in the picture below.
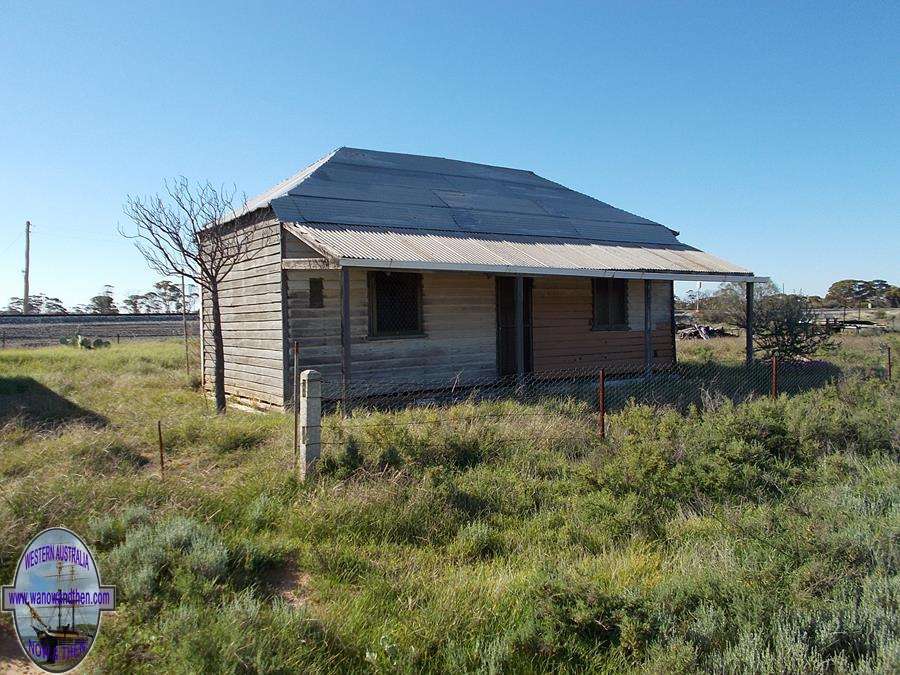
(395, 271)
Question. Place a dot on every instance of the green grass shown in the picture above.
(759, 537)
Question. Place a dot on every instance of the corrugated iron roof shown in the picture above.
(453, 250)
(364, 205)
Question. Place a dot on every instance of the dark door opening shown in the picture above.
(506, 325)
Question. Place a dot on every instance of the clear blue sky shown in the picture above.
(768, 134)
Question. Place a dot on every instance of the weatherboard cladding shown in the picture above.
(371, 205)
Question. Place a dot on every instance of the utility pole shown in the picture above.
(25, 304)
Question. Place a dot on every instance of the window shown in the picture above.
(316, 293)
(610, 304)
(395, 304)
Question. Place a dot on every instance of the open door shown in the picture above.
(506, 325)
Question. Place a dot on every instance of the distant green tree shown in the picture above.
(152, 303)
(103, 303)
(14, 306)
(728, 304)
(843, 293)
(38, 303)
(816, 301)
(53, 306)
(892, 296)
(133, 303)
(858, 292)
(169, 294)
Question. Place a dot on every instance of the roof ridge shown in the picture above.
(281, 188)
(446, 159)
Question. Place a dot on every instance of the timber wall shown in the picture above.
(564, 338)
(459, 320)
(252, 324)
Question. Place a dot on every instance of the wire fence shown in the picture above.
(583, 395)
(115, 330)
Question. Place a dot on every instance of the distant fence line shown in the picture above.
(40, 330)
(18, 319)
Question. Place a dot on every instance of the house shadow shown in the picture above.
(35, 405)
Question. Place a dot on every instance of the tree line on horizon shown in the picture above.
(846, 293)
(165, 297)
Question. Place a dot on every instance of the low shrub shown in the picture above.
(476, 541)
(109, 531)
(153, 554)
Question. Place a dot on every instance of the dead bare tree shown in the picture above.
(191, 228)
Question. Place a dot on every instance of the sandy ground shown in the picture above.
(12, 660)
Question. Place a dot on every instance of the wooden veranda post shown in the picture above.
(648, 330)
(345, 338)
(672, 323)
(749, 318)
(520, 328)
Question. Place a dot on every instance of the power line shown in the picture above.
(12, 243)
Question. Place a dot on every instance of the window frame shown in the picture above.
(374, 334)
(599, 295)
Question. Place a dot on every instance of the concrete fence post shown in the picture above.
(310, 421)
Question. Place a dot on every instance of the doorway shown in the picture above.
(506, 325)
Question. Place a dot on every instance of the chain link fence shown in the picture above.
(584, 396)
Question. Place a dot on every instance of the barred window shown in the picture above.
(610, 304)
(316, 293)
(395, 304)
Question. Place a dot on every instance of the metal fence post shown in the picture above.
(774, 376)
(310, 421)
(601, 396)
(162, 464)
(295, 401)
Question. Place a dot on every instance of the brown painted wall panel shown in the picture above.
(563, 337)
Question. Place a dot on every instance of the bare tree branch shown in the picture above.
(195, 230)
